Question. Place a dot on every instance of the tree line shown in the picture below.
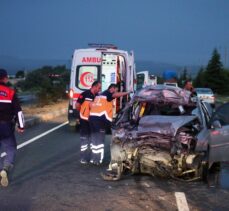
(48, 83)
(214, 76)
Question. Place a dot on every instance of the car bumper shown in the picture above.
(73, 116)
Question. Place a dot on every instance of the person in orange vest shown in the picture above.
(83, 106)
(101, 115)
(10, 113)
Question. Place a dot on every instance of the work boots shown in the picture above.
(4, 175)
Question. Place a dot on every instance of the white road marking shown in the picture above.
(182, 204)
(37, 137)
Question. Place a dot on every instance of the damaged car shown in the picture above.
(165, 132)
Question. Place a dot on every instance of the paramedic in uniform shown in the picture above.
(101, 115)
(10, 111)
(83, 106)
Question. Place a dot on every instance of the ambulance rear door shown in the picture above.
(88, 69)
(131, 73)
(109, 69)
(114, 72)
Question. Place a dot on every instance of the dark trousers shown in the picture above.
(98, 131)
(85, 140)
(7, 144)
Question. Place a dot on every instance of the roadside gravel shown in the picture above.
(35, 114)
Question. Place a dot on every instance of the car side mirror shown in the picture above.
(216, 124)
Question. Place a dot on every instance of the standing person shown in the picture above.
(188, 86)
(10, 110)
(83, 106)
(101, 115)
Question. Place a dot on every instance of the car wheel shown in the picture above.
(73, 128)
(204, 171)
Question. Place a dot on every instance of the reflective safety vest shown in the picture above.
(9, 106)
(85, 109)
(6, 94)
(101, 106)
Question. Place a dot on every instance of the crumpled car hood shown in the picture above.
(166, 125)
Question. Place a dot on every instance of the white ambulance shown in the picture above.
(144, 78)
(105, 63)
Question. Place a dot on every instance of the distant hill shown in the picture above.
(13, 64)
(157, 68)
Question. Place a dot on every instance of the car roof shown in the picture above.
(162, 93)
(203, 89)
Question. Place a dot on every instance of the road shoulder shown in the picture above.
(35, 114)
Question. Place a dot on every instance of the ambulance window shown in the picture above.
(86, 75)
(140, 80)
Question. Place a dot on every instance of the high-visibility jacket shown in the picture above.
(10, 108)
(84, 100)
(85, 109)
(101, 106)
(6, 94)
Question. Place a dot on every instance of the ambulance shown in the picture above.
(144, 78)
(105, 63)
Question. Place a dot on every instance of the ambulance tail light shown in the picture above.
(71, 93)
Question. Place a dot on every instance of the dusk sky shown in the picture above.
(172, 31)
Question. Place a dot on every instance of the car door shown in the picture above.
(219, 133)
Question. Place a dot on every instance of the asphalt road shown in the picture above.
(48, 176)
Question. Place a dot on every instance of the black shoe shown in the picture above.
(84, 162)
(97, 163)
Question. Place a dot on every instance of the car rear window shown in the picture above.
(204, 91)
(220, 114)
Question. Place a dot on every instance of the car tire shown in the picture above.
(204, 172)
(74, 128)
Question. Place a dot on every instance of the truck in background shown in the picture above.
(105, 63)
(170, 78)
(144, 78)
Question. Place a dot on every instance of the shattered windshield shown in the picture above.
(157, 100)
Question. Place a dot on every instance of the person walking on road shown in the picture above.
(83, 106)
(10, 113)
(101, 115)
